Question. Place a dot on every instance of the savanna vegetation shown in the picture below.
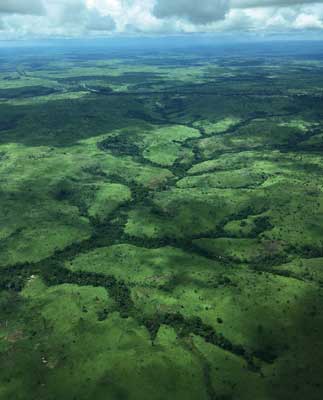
(161, 226)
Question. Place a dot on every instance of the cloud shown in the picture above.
(308, 21)
(204, 12)
(200, 12)
(99, 23)
(270, 3)
(73, 18)
(77, 13)
(32, 7)
(60, 18)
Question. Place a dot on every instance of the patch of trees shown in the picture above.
(26, 91)
(261, 224)
(194, 325)
(118, 290)
(120, 145)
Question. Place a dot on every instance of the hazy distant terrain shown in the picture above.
(161, 223)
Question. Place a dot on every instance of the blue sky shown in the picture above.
(20, 19)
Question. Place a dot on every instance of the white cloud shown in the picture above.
(60, 18)
(48, 18)
(308, 21)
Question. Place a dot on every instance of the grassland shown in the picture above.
(161, 227)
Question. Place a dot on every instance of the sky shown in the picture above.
(23, 19)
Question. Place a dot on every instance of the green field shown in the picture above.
(161, 226)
